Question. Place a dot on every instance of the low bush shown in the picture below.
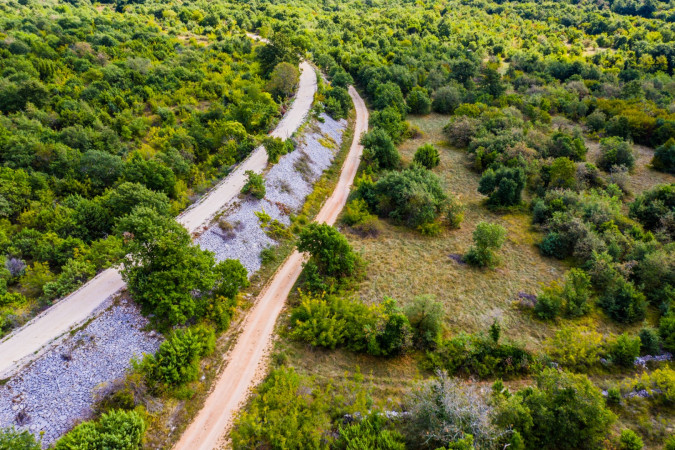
(571, 298)
(425, 315)
(503, 187)
(616, 152)
(454, 212)
(650, 343)
(629, 440)
(427, 156)
(255, 185)
(379, 150)
(418, 101)
(623, 302)
(664, 157)
(575, 347)
(13, 439)
(117, 429)
(487, 239)
(624, 349)
(369, 433)
(177, 360)
(660, 384)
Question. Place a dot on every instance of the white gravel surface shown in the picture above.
(56, 391)
(287, 187)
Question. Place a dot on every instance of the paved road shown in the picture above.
(29, 341)
(248, 359)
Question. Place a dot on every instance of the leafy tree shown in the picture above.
(152, 174)
(117, 429)
(427, 156)
(667, 331)
(623, 302)
(650, 343)
(279, 49)
(283, 80)
(379, 150)
(389, 94)
(276, 148)
(389, 120)
(629, 440)
(163, 269)
(562, 173)
(446, 99)
(491, 81)
(503, 187)
(255, 185)
(123, 199)
(231, 277)
(338, 102)
(564, 145)
(418, 101)
(564, 411)
(425, 315)
(413, 196)
(664, 157)
(616, 152)
(487, 239)
(329, 250)
(624, 350)
(650, 207)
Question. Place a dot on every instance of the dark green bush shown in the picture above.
(623, 302)
(503, 187)
(418, 101)
(616, 152)
(255, 185)
(117, 429)
(650, 343)
(329, 250)
(427, 156)
(624, 349)
(487, 239)
(664, 157)
(379, 150)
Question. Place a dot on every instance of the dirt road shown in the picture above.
(29, 341)
(247, 361)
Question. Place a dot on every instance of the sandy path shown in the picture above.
(31, 340)
(248, 359)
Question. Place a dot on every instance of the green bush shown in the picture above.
(616, 152)
(446, 99)
(255, 185)
(454, 212)
(667, 331)
(650, 343)
(338, 102)
(427, 156)
(624, 349)
(623, 302)
(575, 347)
(488, 238)
(503, 187)
(650, 207)
(379, 150)
(12, 439)
(329, 250)
(563, 411)
(664, 157)
(117, 429)
(177, 360)
(413, 196)
(425, 315)
(418, 101)
(369, 433)
(356, 212)
(629, 440)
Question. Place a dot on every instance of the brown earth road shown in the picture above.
(247, 361)
(44, 331)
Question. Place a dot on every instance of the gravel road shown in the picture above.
(33, 339)
(247, 362)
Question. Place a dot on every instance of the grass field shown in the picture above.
(403, 264)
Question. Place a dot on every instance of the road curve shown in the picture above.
(247, 360)
(31, 340)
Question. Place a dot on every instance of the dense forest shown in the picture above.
(525, 148)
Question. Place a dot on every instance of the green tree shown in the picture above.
(503, 187)
(425, 315)
(418, 101)
(379, 150)
(389, 94)
(12, 439)
(328, 249)
(629, 440)
(369, 433)
(427, 156)
(616, 152)
(664, 157)
(283, 80)
(487, 239)
(163, 270)
(563, 173)
(447, 99)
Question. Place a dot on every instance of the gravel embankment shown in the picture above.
(288, 183)
(56, 391)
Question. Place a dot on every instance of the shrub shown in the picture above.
(650, 343)
(624, 349)
(338, 102)
(564, 411)
(255, 185)
(389, 120)
(418, 101)
(659, 384)
(570, 298)
(379, 150)
(596, 121)
(446, 99)
(389, 94)
(629, 440)
(413, 196)
(664, 157)
(12, 439)
(650, 207)
(503, 187)
(276, 148)
(575, 347)
(356, 212)
(616, 152)
(425, 315)
(370, 432)
(563, 145)
(283, 80)
(443, 411)
(427, 156)
(328, 249)
(667, 331)
(177, 360)
(454, 213)
(562, 174)
(623, 302)
(117, 429)
(487, 239)
(614, 396)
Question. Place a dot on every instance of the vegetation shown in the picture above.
(255, 185)
(487, 240)
(116, 429)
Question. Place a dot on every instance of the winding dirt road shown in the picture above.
(248, 359)
(30, 341)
